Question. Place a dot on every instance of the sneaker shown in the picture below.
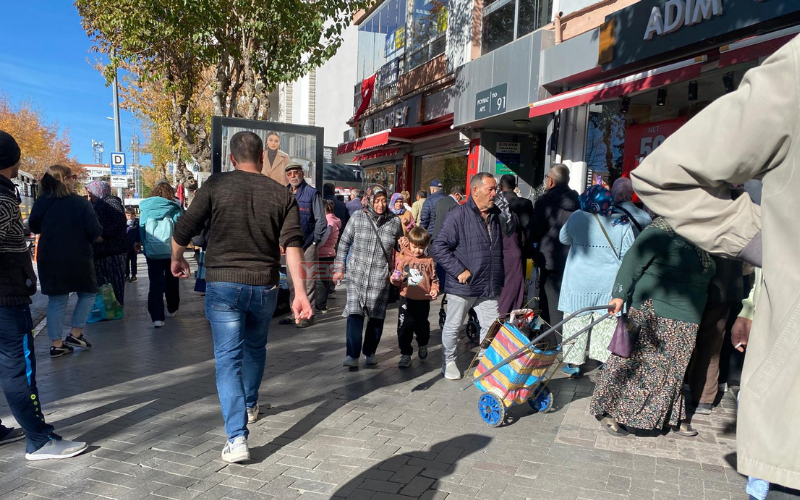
(305, 323)
(236, 451)
(723, 387)
(12, 434)
(134, 279)
(127, 279)
(252, 414)
(372, 360)
(704, 409)
(350, 362)
(57, 449)
(57, 352)
(322, 310)
(572, 371)
(289, 320)
(405, 361)
(451, 371)
(78, 342)
(423, 352)
(158, 324)
(172, 314)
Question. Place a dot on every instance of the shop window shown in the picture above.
(384, 175)
(428, 35)
(506, 20)
(382, 37)
(605, 143)
(450, 169)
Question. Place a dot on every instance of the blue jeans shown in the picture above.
(239, 316)
(18, 375)
(372, 336)
(57, 307)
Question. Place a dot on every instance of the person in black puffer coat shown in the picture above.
(111, 252)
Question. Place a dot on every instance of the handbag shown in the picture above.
(624, 337)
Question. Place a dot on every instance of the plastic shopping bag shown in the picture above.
(106, 306)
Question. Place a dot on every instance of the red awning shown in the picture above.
(755, 47)
(399, 134)
(658, 77)
(371, 155)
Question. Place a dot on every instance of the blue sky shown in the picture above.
(45, 56)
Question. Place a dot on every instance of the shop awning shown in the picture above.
(399, 134)
(379, 153)
(658, 77)
(755, 47)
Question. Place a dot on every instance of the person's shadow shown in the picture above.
(414, 473)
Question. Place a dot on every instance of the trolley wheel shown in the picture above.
(543, 402)
(473, 331)
(492, 410)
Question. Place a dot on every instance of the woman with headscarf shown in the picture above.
(111, 251)
(398, 207)
(275, 160)
(598, 238)
(366, 256)
(622, 190)
(664, 281)
(67, 226)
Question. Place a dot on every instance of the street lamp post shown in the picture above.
(117, 135)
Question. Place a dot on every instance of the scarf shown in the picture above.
(379, 219)
(99, 189)
(399, 211)
(597, 200)
(662, 224)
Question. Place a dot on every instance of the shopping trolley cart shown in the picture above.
(514, 370)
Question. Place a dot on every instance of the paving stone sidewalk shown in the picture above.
(146, 401)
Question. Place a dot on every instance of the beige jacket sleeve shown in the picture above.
(739, 137)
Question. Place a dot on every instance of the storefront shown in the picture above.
(659, 63)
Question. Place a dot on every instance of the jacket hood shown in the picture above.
(157, 207)
(333, 220)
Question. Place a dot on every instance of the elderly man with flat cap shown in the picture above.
(17, 359)
(314, 226)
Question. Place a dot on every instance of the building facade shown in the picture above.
(446, 89)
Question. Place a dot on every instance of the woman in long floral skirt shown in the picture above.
(664, 278)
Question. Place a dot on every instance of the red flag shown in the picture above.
(367, 86)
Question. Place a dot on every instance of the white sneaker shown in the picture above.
(172, 314)
(451, 371)
(252, 414)
(158, 324)
(57, 449)
(372, 360)
(236, 451)
(405, 361)
(350, 362)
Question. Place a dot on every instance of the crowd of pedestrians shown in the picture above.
(677, 276)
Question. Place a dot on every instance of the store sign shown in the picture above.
(507, 158)
(491, 102)
(670, 26)
(679, 13)
(641, 140)
(403, 115)
(390, 73)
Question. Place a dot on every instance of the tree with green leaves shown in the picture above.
(248, 47)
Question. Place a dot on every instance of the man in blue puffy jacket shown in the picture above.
(427, 217)
(470, 248)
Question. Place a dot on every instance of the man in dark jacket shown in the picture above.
(427, 218)
(444, 206)
(314, 225)
(354, 205)
(134, 245)
(550, 213)
(18, 367)
(339, 208)
(470, 248)
(521, 207)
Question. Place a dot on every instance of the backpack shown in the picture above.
(158, 238)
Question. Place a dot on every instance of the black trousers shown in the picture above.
(412, 317)
(325, 285)
(18, 375)
(162, 283)
(550, 283)
(131, 264)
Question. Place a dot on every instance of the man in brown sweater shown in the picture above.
(251, 216)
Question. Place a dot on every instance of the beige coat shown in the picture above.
(277, 170)
(750, 133)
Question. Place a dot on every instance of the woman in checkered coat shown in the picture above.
(367, 261)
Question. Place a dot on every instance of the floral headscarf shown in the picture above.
(597, 200)
(401, 210)
(99, 189)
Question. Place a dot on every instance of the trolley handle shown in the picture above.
(524, 348)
